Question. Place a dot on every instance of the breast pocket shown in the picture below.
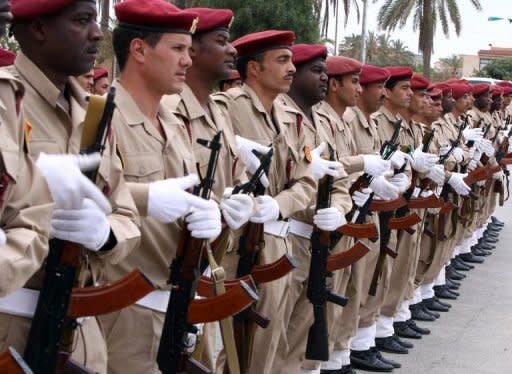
(143, 168)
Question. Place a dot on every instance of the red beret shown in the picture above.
(400, 72)
(341, 65)
(30, 9)
(444, 87)
(234, 75)
(507, 90)
(496, 91)
(6, 57)
(254, 43)
(306, 52)
(373, 74)
(100, 73)
(212, 19)
(459, 89)
(435, 93)
(419, 82)
(480, 89)
(504, 84)
(155, 15)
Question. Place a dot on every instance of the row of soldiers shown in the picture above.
(321, 116)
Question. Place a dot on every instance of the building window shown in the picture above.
(484, 62)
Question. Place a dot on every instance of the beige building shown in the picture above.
(472, 63)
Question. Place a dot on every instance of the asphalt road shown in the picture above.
(476, 335)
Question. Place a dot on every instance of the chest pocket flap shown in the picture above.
(143, 168)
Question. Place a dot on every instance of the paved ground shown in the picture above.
(476, 335)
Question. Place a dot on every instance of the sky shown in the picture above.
(476, 33)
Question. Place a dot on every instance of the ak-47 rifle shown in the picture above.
(51, 334)
(12, 363)
(317, 346)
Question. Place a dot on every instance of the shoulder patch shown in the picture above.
(236, 92)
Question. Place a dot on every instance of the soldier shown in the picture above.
(233, 81)
(101, 82)
(59, 40)
(86, 81)
(308, 88)
(151, 42)
(213, 58)
(265, 65)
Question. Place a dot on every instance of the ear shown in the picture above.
(333, 85)
(387, 93)
(253, 68)
(138, 50)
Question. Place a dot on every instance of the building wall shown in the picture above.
(470, 63)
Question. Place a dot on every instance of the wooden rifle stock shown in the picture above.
(387, 206)
(506, 161)
(479, 174)
(12, 363)
(93, 301)
(344, 259)
(431, 201)
(359, 231)
(404, 223)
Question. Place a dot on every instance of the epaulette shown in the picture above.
(236, 92)
(349, 115)
(221, 99)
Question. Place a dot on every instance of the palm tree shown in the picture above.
(452, 65)
(426, 15)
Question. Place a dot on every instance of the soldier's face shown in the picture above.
(311, 80)
(350, 90)
(483, 102)
(436, 110)
(400, 96)
(506, 100)
(5, 15)
(101, 86)
(462, 104)
(165, 65)
(275, 72)
(373, 96)
(71, 38)
(419, 102)
(86, 80)
(448, 102)
(213, 53)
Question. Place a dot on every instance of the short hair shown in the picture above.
(242, 62)
(123, 36)
(391, 83)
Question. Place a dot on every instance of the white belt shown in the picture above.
(157, 300)
(277, 228)
(22, 303)
(301, 229)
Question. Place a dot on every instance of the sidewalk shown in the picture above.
(476, 335)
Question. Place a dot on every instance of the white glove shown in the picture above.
(472, 165)
(423, 162)
(329, 219)
(268, 210)
(399, 158)
(236, 209)
(3, 238)
(205, 223)
(473, 134)
(361, 197)
(480, 183)
(168, 200)
(87, 226)
(457, 182)
(67, 184)
(400, 181)
(485, 146)
(383, 188)
(375, 165)
(251, 161)
(498, 176)
(321, 167)
(436, 174)
(458, 153)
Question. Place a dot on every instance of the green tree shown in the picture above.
(498, 69)
(452, 65)
(259, 15)
(426, 15)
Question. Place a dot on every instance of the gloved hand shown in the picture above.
(472, 165)
(399, 158)
(423, 162)
(361, 197)
(251, 161)
(67, 184)
(458, 153)
(480, 183)
(268, 210)
(498, 176)
(383, 188)
(205, 223)
(375, 165)
(87, 225)
(168, 200)
(236, 209)
(473, 134)
(485, 146)
(329, 219)
(321, 167)
(3, 238)
(400, 181)
(457, 182)
(436, 174)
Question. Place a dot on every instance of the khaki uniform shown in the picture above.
(56, 131)
(148, 156)
(291, 185)
(298, 315)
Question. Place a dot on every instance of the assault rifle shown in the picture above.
(51, 335)
(12, 363)
(317, 347)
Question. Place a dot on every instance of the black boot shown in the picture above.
(412, 324)
(403, 343)
(454, 274)
(403, 330)
(368, 360)
(443, 303)
(496, 221)
(452, 285)
(396, 365)
(470, 257)
(390, 345)
(459, 265)
(428, 311)
(443, 292)
(433, 305)
(418, 314)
